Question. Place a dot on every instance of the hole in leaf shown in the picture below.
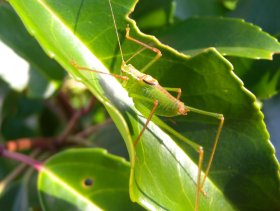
(88, 182)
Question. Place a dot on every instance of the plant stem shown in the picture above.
(29, 143)
(21, 158)
(74, 119)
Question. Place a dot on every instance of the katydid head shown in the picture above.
(131, 71)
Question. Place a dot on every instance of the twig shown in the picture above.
(29, 143)
(74, 119)
(69, 127)
(89, 106)
(20, 157)
(64, 102)
(11, 176)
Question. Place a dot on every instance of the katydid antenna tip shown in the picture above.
(115, 26)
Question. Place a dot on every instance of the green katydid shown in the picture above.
(146, 91)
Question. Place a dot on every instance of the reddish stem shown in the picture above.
(89, 106)
(21, 158)
(74, 119)
(64, 102)
(29, 143)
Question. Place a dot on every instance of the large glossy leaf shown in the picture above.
(16, 109)
(232, 37)
(19, 194)
(189, 8)
(154, 14)
(110, 139)
(15, 197)
(262, 13)
(262, 77)
(248, 10)
(85, 179)
(162, 175)
(45, 73)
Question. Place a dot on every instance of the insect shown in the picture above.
(147, 92)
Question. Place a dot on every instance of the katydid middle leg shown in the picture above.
(178, 90)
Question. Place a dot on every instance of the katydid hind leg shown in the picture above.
(194, 145)
(218, 133)
(220, 117)
(200, 151)
(198, 185)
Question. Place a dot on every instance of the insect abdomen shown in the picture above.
(167, 104)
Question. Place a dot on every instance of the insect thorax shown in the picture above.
(131, 72)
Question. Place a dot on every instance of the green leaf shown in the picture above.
(154, 14)
(230, 4)
(13, 33)
(85, 179)
(4, 89)
(262, 13)
(230, 36)
(109, 138)
(19, 194)
(15, 197)
(39, 86)
(19, 115)
(190, 8)
(162, 175)
(261, 77)
(255, 12)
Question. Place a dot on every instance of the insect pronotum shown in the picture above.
(146, 91)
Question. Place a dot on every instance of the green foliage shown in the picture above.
(90, 186)
(232, 37)
(163, 169)
(47, 73)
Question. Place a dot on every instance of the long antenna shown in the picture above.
(115, 25)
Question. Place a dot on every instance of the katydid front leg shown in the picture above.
(157, 51)
(148, 119)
